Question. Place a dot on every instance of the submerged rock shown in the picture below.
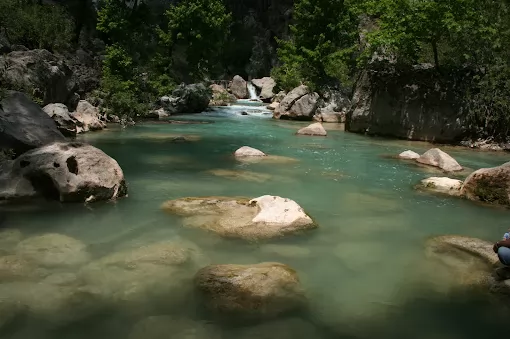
(287, 328)
(269, 159)
(16, 268)
(313, 129)
(159, 327)
(53, 250)
(408, 155)
(144, 274)
(441, 185)
(247, 151)
(69, 172)
(88, 116)
(260, 218)
(241, 175)
(490, 185)
(239, 87)
(437, 158)
(9, 239)
(261, 290)
(24, 125)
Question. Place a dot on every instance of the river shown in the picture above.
(363, 269)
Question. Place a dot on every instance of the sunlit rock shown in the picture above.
(260, 218)
(313, 129)
(159, 327)
(53, 250)
(260, 290)
(437, 158)
(239, 87)
(88, 117)
(490, 185)
(143, 274)
(408, 155)
(247, 151)
(441, 185)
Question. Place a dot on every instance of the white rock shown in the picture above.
(409, 155)
(442, 185)
(247, 151)
(436, 157)
(313, 129)
(280, 211)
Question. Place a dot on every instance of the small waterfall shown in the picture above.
(253, 91)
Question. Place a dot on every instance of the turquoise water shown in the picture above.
(363, 268)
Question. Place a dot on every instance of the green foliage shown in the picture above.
(36, 25)
(200, 28)
(320, 49)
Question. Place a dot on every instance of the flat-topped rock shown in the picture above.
(261, 290)
(408, 155)
(490, 185)
(436, 157)
(247, 151)
(442, 185)
(260, 218)
(313, 129)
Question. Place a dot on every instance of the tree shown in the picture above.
(323, 35)
(198, 29)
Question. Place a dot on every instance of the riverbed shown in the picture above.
(363, 269)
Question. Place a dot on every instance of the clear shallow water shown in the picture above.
(363, 269)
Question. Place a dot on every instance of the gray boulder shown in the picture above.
(66, 124)
(88, 117)
(69, 172)
(265, 86)
(24, 125)
(437, 158)
(38, 71)
(239, 87)
(489, 185)
(299, 104)
(192, 98)
(260, 291)
(333, 108)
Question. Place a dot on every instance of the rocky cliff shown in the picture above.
(415, 103)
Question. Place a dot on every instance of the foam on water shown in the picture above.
(363, 268)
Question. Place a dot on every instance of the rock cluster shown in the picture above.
(298, 104)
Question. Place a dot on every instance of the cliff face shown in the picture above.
(414, 103)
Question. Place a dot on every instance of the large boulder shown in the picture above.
(66, 124)
(69, 172)
(88, 117)
(40, 72)
(192, 98)
(260, 218)
(333, 108)
(441, 185)
(407, 102)
(265, 86)
(142, 274)
(437, 158)
(220, 96)
(239, 87)
(299, 104)
(24, 125)
(490, 185)
(263, 290)
(313, 129)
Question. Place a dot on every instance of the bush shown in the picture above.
(36, 26)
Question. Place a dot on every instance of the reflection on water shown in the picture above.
(124, 269)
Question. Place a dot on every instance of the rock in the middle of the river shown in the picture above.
(260, 218)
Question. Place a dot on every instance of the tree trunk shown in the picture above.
(436, 57)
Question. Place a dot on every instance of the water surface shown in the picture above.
(363, 269)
